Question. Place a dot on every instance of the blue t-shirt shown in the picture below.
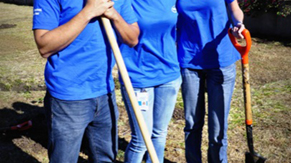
(154, 60)
(83, 69)
(203, 42)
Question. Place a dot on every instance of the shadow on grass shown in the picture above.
(12, 152)
(19, 2)
(21, 112)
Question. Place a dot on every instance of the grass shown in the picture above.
(22, 90)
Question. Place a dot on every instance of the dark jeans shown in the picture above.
(68, 121)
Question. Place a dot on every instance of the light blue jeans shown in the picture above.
(68, 121)
(220, 84)
(161, 102)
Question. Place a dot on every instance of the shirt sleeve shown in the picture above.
(127, 12)
(46, 14)
(229, 1)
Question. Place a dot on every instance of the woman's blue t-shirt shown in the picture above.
(83, 69)
(203, 42)
(154, 60)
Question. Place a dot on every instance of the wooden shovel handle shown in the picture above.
(244, 51)
(247, 93)
(129, 89)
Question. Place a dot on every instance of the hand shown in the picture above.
(111, 13)
(237, 31)
(98, 7)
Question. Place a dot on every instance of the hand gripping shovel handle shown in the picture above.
(252, 156)
(129, 89)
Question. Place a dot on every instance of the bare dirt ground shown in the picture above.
(22, 90)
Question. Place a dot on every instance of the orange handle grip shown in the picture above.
(243, 50)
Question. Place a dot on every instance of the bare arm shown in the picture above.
(237, 17)
(50, 42)
(127, 33)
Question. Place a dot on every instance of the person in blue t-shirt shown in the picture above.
(80, 97)
(154, 71)
(207, 57)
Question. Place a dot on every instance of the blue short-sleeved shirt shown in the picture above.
(203, 42)
(83, 69)
(154, 60)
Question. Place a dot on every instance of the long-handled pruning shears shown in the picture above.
(252, 156)
(20, 127)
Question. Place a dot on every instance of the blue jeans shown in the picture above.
(161, 104)
(220, 84)
(68, 121)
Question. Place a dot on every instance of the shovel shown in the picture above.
(251, 156)
(20, 127)
(129, 89)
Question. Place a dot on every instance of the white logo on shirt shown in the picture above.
(174, 10)
(37, 11)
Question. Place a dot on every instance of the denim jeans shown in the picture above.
(161, 100)
(68, 121)
(220, 84)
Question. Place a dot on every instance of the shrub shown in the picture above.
(251, 7)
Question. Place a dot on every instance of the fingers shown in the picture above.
(109, 4)
(111, 13)
(96, 8)
(237, 31)
(234, 31)
(240, 29)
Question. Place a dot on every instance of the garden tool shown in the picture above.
(129, 89)
(20, 127)
(251, 156)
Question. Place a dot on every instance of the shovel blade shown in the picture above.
(254, 158)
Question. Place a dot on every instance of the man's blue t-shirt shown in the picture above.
(203, 42)
(83, 69)
(154, 60)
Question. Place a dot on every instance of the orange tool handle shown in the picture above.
(243, 50)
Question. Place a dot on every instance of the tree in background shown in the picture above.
(253, 7)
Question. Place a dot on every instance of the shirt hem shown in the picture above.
(199, 67)
(78, 96)
(149, 83)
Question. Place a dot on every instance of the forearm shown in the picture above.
(237, 17)
(236, 13)
(50, 42)
(127, 33)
